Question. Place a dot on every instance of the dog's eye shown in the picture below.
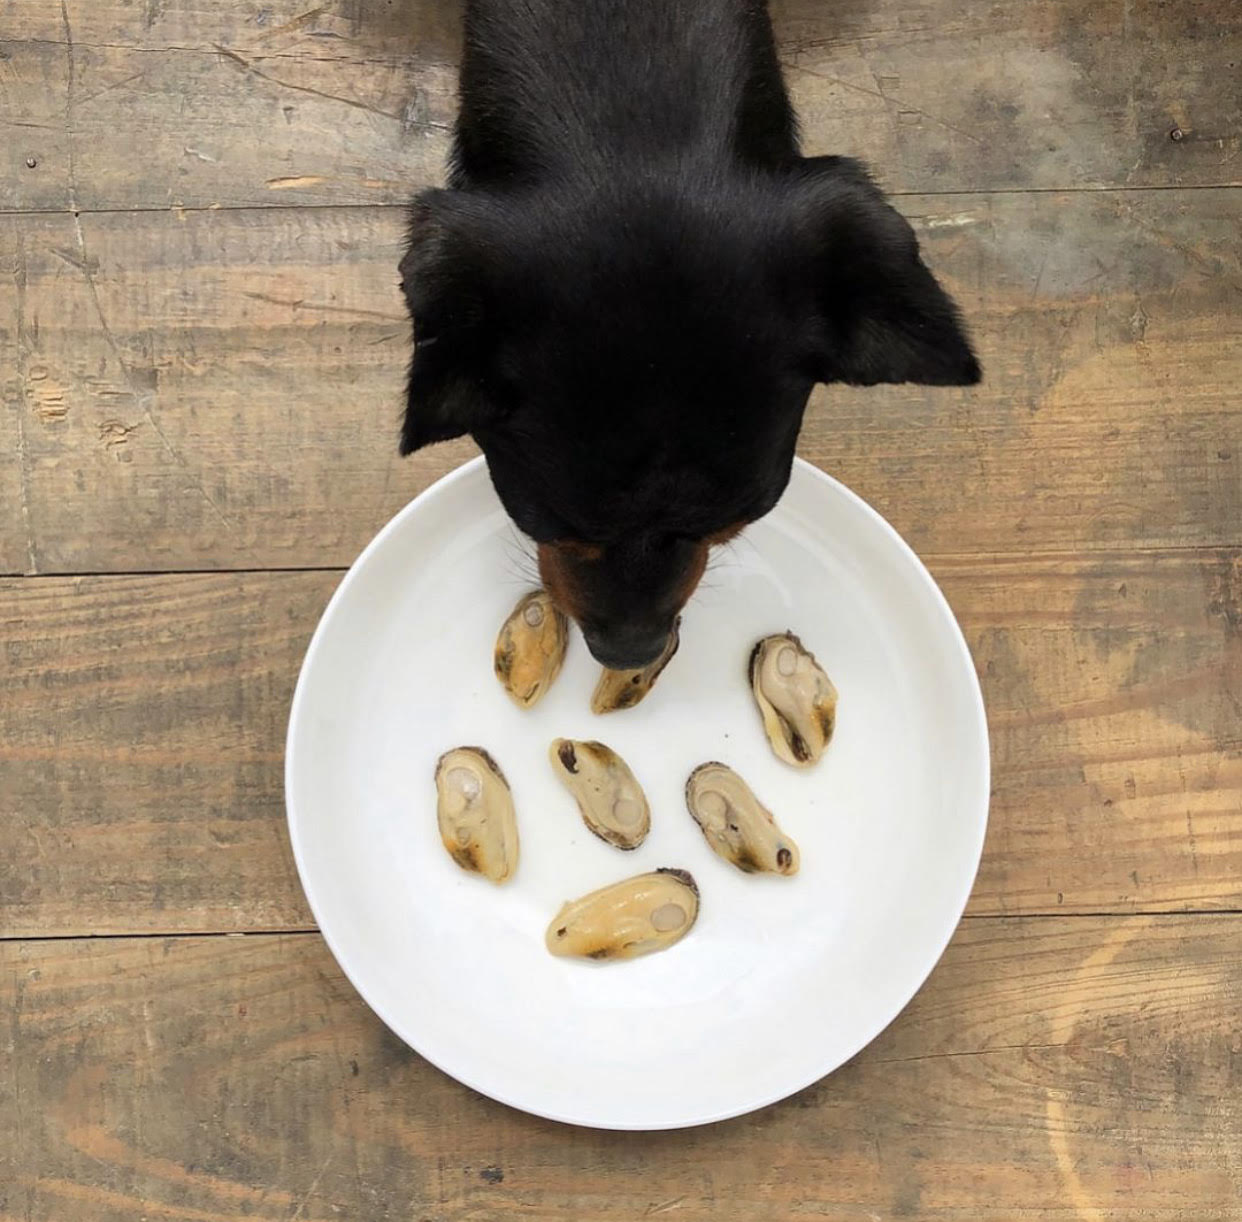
(578, 549)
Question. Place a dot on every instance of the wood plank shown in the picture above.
(1059, 94)
(214, 398)
(143, 740)
(1059, 1070)
(1112, 691)
(1108, 327)
(139, 123)
(223, 388)
(349, 101)
(142, 731)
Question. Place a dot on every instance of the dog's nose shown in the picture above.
(625, 649)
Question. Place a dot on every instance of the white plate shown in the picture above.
(782, 980)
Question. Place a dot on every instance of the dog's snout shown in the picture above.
(625, 597)
(625, 649)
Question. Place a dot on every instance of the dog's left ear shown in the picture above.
(880, 315)
(445, 277)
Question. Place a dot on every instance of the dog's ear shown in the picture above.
(880, 315)
(444, 277)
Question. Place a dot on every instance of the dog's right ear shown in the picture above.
(444, 278)
(881, 315)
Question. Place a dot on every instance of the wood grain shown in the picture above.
(142, 732)
(1108, 328)
(1017, 95)
(201, 355)
(223, 388)
(1112, 685)
(217, 402)
(232, 117)
(141, 742)
(1059, 1070)
(350, 101)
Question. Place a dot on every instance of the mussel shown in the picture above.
(531, 648)
(796, 699)
(736, 825)
(609, 797)
(475, 812)
(635, 917)
(623, 689)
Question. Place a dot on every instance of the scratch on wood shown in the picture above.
(99, 93)
(291, 27)
(904, 108)
(115, 433)
(296, 303)
(665, 1207)
(300, 182)
(295, 183)
(74, 259)
(310, 1192)
(247, 65)
(70, 81)
(46, 395)
(1192, 844)
(1039, 275)
(232, 55)
(1194, 847)
(147, 1034)
(967, 1052)
(959, 220)
(1196, 258)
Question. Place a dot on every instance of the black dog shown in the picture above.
(632, 284)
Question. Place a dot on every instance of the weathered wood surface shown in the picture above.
(141, 745)
(1063, 1070)
(350, 101)
(142, 731)
(1113, 687)
(203, 371)
(222, 388)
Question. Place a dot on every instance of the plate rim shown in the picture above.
(964, 657)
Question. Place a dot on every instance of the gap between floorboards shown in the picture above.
(416, 187)
(930, 558)
(305, 931)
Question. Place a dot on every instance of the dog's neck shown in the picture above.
(557, 89)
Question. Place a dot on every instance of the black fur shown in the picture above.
(633, 281)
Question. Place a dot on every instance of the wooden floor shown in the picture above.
(201, 353)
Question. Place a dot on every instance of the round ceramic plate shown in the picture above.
(782, 979)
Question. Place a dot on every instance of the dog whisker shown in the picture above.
(520, 561)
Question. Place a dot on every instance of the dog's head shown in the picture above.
(634, 363)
